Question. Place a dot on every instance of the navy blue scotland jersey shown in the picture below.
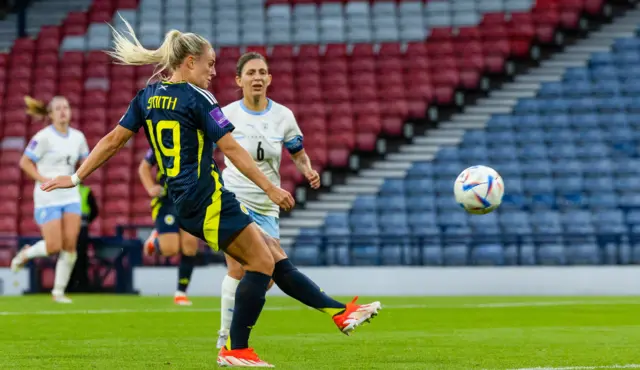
(182, 123)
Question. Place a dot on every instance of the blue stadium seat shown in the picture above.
(551, 254)
(577, 74)
(421, 203)
(584, 122)
(562, 152)
(551, 89)
(499, 122)
(391, 203)
(421, 169)
(603, 201)
(365, 203)
(419, 186)
(456, 255)
(569, 167)
(488, 254)
(568, 184)
(577, 221)
(583, 254)
(515, 221)
(545, 222)
(609, 221)
(393, 187)
(474, 138)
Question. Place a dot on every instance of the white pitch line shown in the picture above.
(628, 366)
(296, 308)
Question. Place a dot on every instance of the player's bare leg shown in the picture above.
(249, 249)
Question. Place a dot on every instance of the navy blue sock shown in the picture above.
(250, 298)
(185, 270)
(297, 285)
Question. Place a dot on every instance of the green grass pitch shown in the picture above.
(128, 332)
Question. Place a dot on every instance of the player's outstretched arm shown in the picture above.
(106, 148)
(303, 164)
(245, 164)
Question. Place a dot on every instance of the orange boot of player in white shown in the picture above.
(355, 315)
(245, 357)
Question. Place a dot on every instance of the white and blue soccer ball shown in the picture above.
(479, 189)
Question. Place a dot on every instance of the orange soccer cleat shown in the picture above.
(245, 357)
(355, 315)
(181, 300)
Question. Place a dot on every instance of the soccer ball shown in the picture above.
(479, 189)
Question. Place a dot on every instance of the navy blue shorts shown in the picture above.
(216, 220)
(164, 216)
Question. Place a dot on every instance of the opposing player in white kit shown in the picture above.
(262, 128)
(54, 150)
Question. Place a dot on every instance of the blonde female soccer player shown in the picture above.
(54, 150)
(263, 127)
(182, 122)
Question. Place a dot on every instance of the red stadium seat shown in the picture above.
(366, 141)
(334, 51)
(8, 225)
(256, 49)
(117, 206)
(306, 52)
(118, 174)
(28, 227)
(229, 53)
(47, 277)
(281, 52)
(339, 157)
(11, 207)
(342, 140)
(10, 174)
(109, 223)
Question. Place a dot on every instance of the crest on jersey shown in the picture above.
(169, 219)
(244, 209)
(33, 144)
(219, 117)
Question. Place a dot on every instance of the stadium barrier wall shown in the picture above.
(422, 281)
(12, 284)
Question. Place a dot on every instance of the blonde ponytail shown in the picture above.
(36, 108)
(168, 57)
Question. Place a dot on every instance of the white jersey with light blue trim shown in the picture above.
(262, 134)
(56, 154)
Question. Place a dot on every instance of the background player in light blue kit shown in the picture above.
(263, 127)
(54, 150)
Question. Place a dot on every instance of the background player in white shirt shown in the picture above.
(262, 128)
(54, 150)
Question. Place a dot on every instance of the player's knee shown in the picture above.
(260, 260)
(69, 245)
(189, 249)
(169, 244)
(53, 246)
(235, 270)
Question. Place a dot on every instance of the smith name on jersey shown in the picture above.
(262, 134)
